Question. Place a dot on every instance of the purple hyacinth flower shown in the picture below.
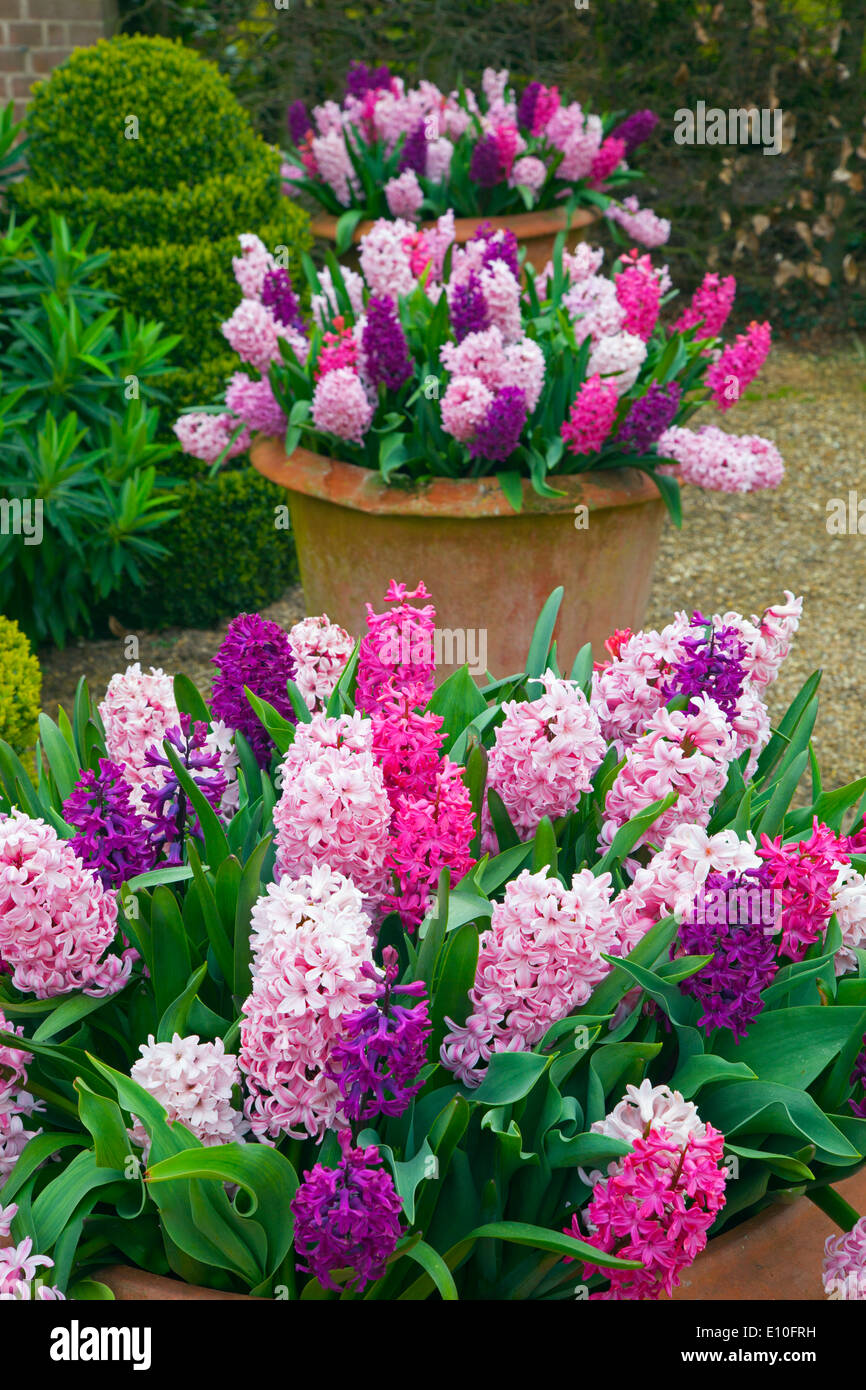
(298, 121)
(254, 652)
(499, 433)
(635, 129)
(280, 298)
(526, 105)
(383, 1048)
(414, 152)
(360, 79)
(110, 837)
(386, 354)
(171, 813)
(468, 307)
(347, 1217)
(649, 417)
(501, 246)
(486, 166)
(734, 918)
(712, 665)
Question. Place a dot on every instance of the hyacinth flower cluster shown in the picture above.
(20, 1276)
(463, 360)
(540, 959)
(377, 1061)
(193, 1082)
(347, 1217)
(729, 659)
(733, 919)
(16, 1102)
(310, 1008)
(656, 1204)
(373, 797)
(388, 149)
(844, 1265)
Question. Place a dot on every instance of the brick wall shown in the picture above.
(37, 35)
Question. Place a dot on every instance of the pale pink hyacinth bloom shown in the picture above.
(252, 265)
(673, 877)
(848, 898)
(642, 1108)
(334, 807)
(205, 436)
(502, 296)
(686, 751)
(193, 1082)
(20, 1280)
(15, 1103)
(524, 367)
(619, 356)
(580, 264)
(545, 753)
(138, 710)
(321, 650)
(341, 405)
(844, 1268)
(334, 165)
(593, 307)
(255, 404)
(404, 195)
(540, 959)
(768, 638)
(464, 407)
(480, 355)
(254, 334)
(528, 172)
(221, 738)
(578, 137)
(310, 939)
(711, 458)
(439, 155)
(640, 224)
(56, 919)
(385, 260)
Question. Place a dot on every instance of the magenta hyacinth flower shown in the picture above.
(347, 1217)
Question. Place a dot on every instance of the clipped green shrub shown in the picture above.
(143, 140)
(196, 281)
(20, 687)
(134, 112)
(228, 555)
(149, 216)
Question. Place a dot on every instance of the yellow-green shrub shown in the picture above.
(20, 687)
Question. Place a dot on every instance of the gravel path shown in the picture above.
(734, 552)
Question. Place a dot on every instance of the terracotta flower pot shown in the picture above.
(488, 568)
(135, 1285)
(775, 1255)
(537, 231)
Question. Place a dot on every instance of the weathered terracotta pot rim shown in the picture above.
(364, 490)
(525, 225)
